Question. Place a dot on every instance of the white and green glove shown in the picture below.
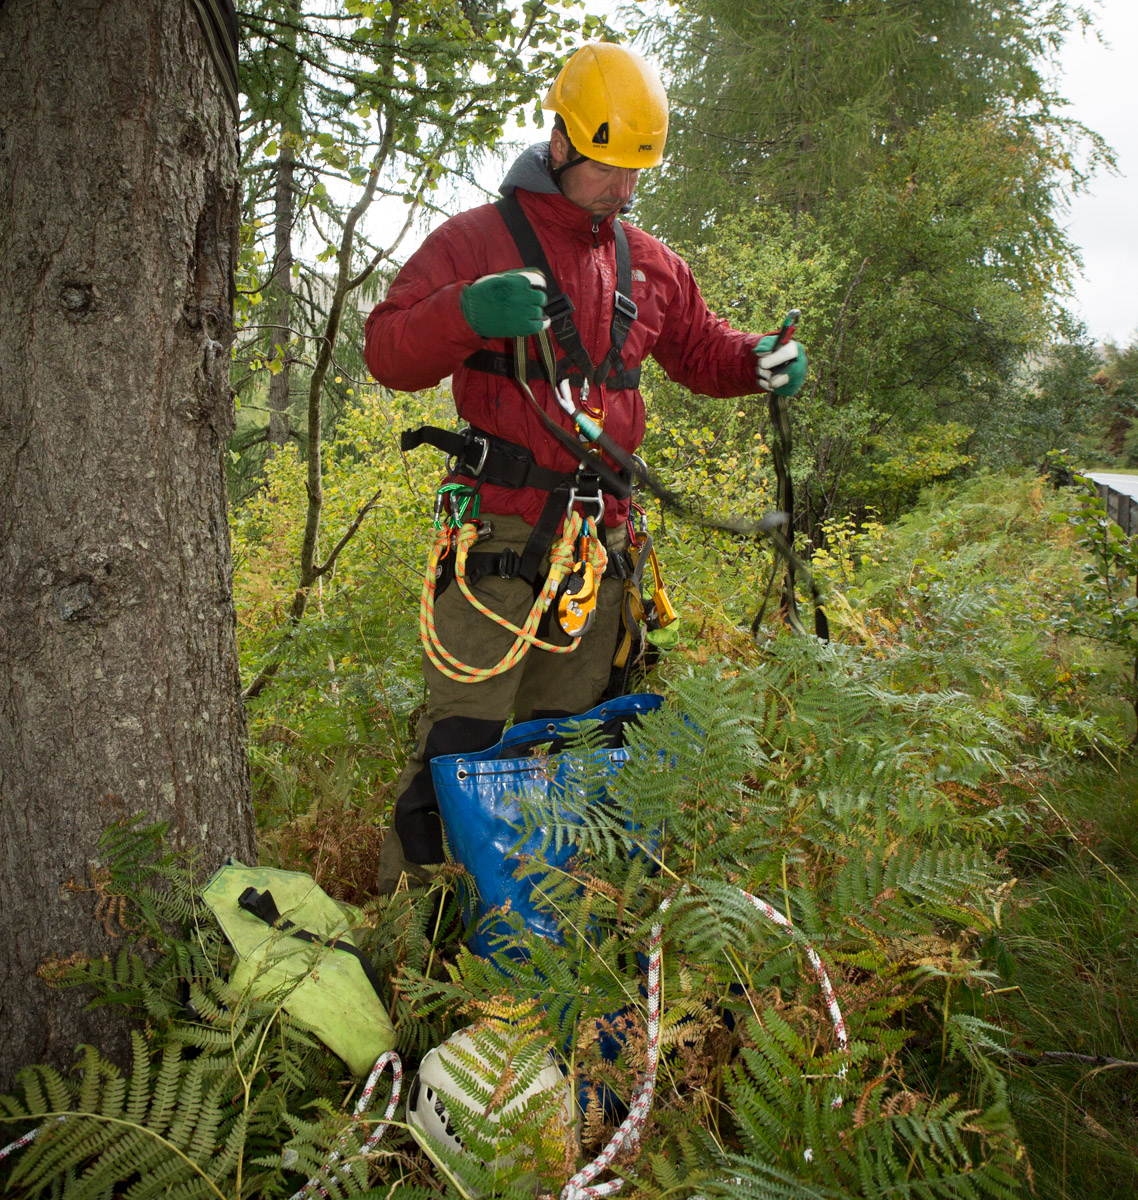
(781, 370)
(508, 304)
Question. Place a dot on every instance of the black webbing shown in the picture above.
(487, 459)
(493, 363)
(781, 447)
(559, 308)
(218, 21)
(262, 906)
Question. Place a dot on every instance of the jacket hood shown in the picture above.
(530, 172)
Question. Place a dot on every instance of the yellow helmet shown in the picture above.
(613, 104)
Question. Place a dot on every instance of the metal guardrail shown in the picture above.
(1120, 494)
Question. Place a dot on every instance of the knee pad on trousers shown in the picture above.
(417, 818)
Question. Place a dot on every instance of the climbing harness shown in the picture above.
(484, 458)
(579, 547)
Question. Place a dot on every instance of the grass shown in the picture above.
(1072, 986)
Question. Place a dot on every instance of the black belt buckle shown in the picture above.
(559, 306)
(625, 305)
(509, 563)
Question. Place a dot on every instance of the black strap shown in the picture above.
(559, 308)
(781, 447)
(493, 363)
(479, 455)
(262, 906)
(218, 21)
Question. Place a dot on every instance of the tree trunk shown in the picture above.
(119, 691)
(281, 291)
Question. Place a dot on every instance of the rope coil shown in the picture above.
(562, 556)
(581, 1187)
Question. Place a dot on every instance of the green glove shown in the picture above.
(782, 371)
(509, 304)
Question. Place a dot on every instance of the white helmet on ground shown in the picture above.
(487, 1071)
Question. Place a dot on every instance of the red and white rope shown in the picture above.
(773, 915)
(361, 1107)
(581, 1186)
(21, 1142)
(627, 1136)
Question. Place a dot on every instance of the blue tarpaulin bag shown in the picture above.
(480, 801)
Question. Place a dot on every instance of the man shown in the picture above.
(456, 308)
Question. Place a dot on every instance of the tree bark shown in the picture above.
(119, 687)
(280, 287)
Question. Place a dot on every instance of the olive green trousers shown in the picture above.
(465, 717)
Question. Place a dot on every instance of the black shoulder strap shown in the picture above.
(559, 307)
(262, 906)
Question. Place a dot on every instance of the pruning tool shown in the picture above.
(789, 326)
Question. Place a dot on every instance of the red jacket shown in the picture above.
(418, 336)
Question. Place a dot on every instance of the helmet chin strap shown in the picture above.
(575, 159)
(557, 172)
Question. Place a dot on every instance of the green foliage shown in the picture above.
(799, 778)
(225, 1096)
(330, 734)
(907, 199)
(1056, 400)
(796, 102)
(896, 794)
(946, 1151)
(1106, 606)
(1070, 953)
(914, 333)
(375, 107)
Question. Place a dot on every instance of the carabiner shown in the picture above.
(583, 500)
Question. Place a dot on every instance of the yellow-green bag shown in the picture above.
(291, 936)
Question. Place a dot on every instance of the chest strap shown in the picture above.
(493, 363)
(610, 371)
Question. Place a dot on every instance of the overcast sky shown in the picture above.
(1101, 84)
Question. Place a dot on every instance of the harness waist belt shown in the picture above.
(490, 459)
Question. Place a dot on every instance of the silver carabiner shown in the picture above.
(598, 498)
